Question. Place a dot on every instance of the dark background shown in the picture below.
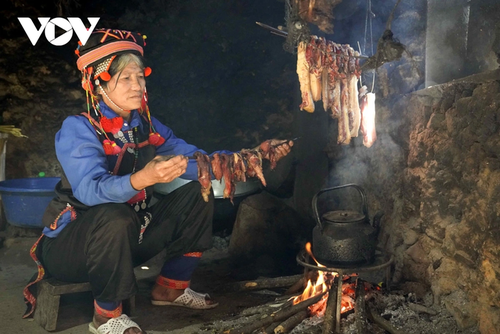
(219, 80)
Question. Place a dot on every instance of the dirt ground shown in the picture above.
(214, 272)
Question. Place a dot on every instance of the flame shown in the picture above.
(323, 283)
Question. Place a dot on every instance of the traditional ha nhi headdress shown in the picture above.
(94, 61)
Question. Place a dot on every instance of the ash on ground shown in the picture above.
(399, 309)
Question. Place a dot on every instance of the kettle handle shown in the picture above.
(357, 187)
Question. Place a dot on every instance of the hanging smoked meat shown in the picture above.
(368, 119)
(315, 59)
(304, 78)
(354, 111)
(344, 136)
(331, 72)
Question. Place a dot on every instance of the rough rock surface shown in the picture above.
(435, 170)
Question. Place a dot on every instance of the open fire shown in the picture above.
(322, 282)
(325, 293)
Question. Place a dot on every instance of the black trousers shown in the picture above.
(101, 245)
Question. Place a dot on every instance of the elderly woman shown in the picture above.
(101, 224)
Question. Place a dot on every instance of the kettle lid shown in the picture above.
(343, 216)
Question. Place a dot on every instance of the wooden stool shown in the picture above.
(49, 295)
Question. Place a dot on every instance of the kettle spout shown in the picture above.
(377, 218)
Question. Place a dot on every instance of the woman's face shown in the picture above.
(126, 89)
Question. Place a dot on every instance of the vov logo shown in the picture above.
(49, 26)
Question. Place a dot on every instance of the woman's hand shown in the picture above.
(161, 169)
(282, 147)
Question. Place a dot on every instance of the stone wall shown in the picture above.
(435, 171)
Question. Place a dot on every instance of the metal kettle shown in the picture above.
(345, 237)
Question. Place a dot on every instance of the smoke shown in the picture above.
(446, 40)
(362, 165)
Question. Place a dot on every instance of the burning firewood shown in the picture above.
(290, 323)
(265, 283)
(359, 308)
(331, 310)
(278, 316)
(270, 329)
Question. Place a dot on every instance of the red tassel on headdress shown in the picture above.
(105, 76)
(86, 83)
(144, 103)
(155, 139)
(110, 147)
(112, 125)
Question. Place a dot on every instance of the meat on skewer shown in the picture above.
(227, 172)
(216, 166)
(239, 168)
(254, 164)
(269, 153)
(203, 162)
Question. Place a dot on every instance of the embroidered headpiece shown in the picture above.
(94, 61)
(104, 45)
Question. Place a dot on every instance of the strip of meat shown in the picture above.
(324, 88)
(336, 107)
(315, 62)
(227, 172)
(203, 162)
(239, 168)
(216, 167)
(325, 78)
(344, 136)
(334, 81)
(368, 119)
(354, 110)
(354, 105)
(254, 164)
(269, 153)
(304, 79)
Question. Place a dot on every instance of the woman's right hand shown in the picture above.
(159, 170)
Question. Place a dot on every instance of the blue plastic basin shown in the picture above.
(25, 200)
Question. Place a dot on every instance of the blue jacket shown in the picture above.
(87, 167)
